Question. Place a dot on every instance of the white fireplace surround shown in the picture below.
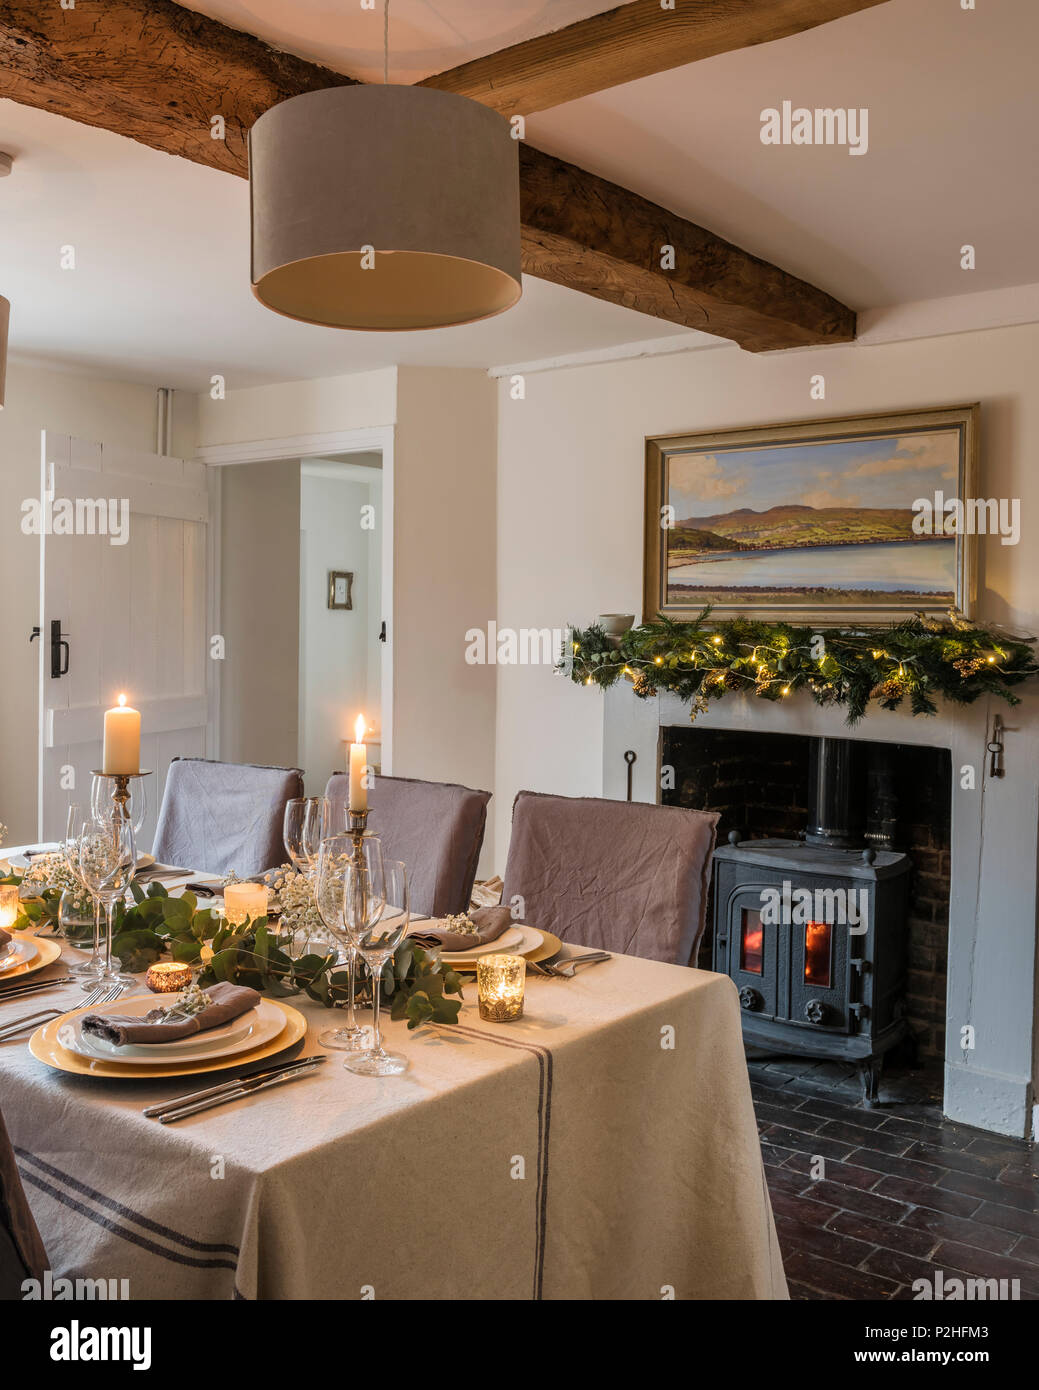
(993, 890)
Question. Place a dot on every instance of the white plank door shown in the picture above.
(120, 618)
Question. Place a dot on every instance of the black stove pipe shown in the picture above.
(835, 793)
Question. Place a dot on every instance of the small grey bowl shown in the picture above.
(615, 625)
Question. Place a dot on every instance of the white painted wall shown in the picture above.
(358, 401)
(259, 613)
(443, 501)
(444, 577)
(335, 645)
(570, 499)
(90, 408)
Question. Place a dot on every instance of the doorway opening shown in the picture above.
(340, 612)
(304, 603)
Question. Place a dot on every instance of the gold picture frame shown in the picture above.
(859, 475)
(340, 589)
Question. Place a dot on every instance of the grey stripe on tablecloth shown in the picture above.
(544, 1061)
(119, 1227)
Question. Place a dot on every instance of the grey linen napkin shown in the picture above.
(151, 871)
(492, 921)
(228, 1002)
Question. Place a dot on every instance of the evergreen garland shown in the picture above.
(919, 660)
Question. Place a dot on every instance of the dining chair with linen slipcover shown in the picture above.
(622, 876)
(219, 817)
(435, 828)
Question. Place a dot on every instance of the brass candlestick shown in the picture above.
(120, 790)
(357, 829)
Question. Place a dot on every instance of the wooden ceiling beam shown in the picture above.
(160, 74)
(627, 43)
(591, 235)
(150, 70)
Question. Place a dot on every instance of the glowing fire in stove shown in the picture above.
(817, 954)
(752, 943)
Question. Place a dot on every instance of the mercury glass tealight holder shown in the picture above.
(244, 902)
(168, 976)
(9, 904)
(499, 987)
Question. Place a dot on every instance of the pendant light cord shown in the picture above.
(386, 43)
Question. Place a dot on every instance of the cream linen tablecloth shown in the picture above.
(569, 1155)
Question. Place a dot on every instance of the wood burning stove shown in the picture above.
(813, 932)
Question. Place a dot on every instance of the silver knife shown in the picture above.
(31, 986)
(154, 1110)
(244, 1088)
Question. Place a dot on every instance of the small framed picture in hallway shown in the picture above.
(340, 589)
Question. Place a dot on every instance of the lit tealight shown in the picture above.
(168, 976)
(245, 902)
(499, 985)
(9, 904)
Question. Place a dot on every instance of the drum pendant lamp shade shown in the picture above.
(384, 208)
(5, 314)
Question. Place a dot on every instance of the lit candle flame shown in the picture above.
(122, 700)
(359, 729)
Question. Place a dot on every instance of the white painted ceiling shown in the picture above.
(953, 157)
(161, 291)
(426, 36)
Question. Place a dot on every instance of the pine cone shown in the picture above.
(967, 665)
(891, 689)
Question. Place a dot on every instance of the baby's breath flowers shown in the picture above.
(191, 1002)
(52, 872)
(462, 924)
(292, 894)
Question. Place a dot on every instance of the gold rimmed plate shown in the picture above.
(550, 946)
(45, 1046)
(46, 953)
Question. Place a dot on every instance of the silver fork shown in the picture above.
(555, 969)
(100, 994)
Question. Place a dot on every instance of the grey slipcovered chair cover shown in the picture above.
(435, 828)
(22, 1255)
(622, 876)
(222, 816)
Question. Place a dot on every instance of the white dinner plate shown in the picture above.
(19, 951)
(520, 940)
(253, 1029)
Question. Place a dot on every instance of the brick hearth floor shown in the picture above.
(905, 1192)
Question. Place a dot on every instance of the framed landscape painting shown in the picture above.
(819, 522)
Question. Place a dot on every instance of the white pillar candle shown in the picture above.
(358, 764)
(122, 739)
(244, 902)
(9, 904)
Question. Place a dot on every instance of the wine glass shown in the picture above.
(101, 805)
(376, 934)
(94, 967)
(306, 824)
(107, 860)
(336, 855)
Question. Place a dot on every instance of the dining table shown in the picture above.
(602, 1146)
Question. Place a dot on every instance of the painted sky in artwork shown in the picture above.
(882, 471)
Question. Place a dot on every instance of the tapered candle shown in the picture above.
(358, 763)
(122, 740)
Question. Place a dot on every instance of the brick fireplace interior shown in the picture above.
(759, 784)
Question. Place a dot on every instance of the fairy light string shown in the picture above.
(921, 659)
